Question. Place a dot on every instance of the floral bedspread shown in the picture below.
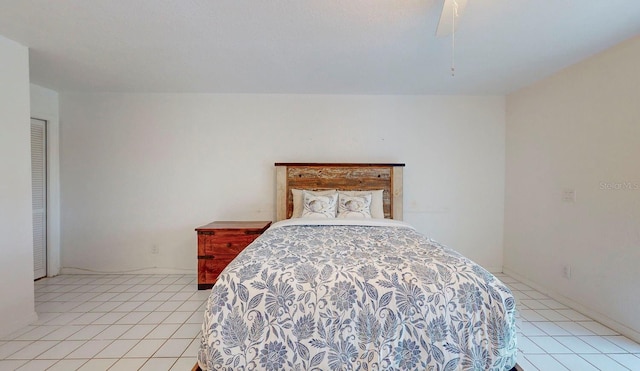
(370, 297)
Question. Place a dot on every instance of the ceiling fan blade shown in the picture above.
(445, 25)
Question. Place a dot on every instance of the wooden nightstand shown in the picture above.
(219, 243)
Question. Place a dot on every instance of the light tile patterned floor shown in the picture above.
(110, 322)
(554, 337)
(152, 322)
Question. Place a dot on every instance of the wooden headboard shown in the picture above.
(342, 176)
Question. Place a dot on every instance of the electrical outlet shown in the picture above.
(155, 249)
(566, 271)
(569, 195)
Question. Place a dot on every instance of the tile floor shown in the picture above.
(152, 322)
(110, 322)
(554, 337)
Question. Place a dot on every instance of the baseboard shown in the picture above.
(149, 270)
(582, 309)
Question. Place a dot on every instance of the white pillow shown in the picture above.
(298, 200)
(354, 207)
(319, 207)
(377, 206)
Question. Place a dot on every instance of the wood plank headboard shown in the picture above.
(341, 176)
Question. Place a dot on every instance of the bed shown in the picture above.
(340, 294)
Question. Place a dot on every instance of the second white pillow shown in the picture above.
(354, 207)
(377, 206)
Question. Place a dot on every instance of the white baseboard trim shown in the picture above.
(149, 270)
(596, 316)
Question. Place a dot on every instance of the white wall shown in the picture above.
(579, 129)
(139, 170)
(16, 235)
(45, 106)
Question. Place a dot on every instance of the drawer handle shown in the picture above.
(206, 257)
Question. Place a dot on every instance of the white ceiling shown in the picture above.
(308, 46)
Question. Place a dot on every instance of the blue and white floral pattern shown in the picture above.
(342, 297)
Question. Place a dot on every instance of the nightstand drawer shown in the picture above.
(210, 269)
(226, 244)
(219, 243)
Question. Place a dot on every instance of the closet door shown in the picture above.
(39, 196)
